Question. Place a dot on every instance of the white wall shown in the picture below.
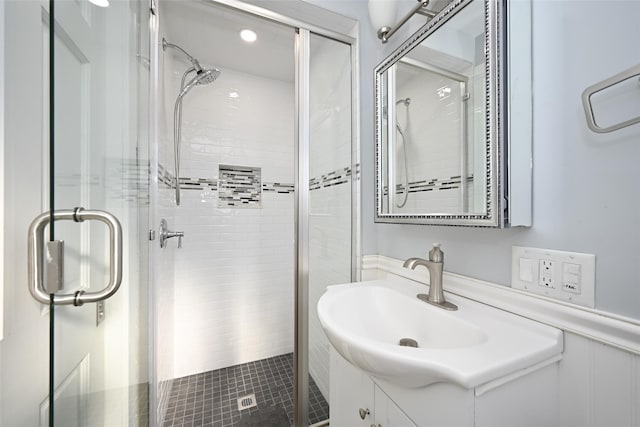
(585, 197)
(598, 385)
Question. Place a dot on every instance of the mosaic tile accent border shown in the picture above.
(434, 184)
(239, 186)
(336, 177)
(333, 178)
(276, 187)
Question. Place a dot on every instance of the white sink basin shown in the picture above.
(474, 345)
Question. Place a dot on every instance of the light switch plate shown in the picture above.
(566, 276)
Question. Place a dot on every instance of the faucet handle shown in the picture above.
(436, 254)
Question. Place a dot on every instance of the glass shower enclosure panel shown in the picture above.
(98, 161)
(225, 299)
(330, 197)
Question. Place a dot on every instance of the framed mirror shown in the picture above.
(442, 151)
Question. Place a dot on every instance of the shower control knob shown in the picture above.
(166, 234)
(363, 413)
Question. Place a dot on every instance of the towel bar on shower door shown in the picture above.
(598, 87)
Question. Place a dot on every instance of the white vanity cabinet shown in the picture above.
(528, 400)
(387, 413)
(352, 391)
(357, 401)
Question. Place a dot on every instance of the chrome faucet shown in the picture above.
(435, 265)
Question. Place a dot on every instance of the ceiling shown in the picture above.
(210, 33)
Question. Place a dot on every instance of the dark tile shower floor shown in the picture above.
(211, 398)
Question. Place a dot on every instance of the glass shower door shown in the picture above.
(331, 173)
(97, 147)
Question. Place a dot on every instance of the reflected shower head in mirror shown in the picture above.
(203, 76)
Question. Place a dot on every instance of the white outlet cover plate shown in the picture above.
(587, 263)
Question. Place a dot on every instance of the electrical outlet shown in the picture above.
(547, 274)
(566, 276)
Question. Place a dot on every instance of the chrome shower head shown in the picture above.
(405, 101)
(206, 76)
(202, 77)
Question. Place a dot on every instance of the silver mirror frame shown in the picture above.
(496, 214)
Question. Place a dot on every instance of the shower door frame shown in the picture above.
(301, 183)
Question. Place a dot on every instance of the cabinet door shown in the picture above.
(351, 391)
(387, 413)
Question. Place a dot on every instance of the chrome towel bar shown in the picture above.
(598, 87)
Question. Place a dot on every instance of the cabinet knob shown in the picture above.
(363, 413)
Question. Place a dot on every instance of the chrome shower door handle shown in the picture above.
(36, 248)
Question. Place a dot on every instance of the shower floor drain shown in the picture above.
(246, 402)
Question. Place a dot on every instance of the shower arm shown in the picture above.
(196, 65)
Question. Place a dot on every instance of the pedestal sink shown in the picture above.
(382, 328)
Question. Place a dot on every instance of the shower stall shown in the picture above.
(246, 153)
(257, 169)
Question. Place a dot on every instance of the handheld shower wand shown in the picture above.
(203, 76)
(406, 102)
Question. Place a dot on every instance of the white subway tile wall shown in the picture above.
(233, 282)
(164, 292)
(233, 291)
(330, 148)
(330, 264)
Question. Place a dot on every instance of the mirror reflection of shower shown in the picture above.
(404, 134)
(203, 76)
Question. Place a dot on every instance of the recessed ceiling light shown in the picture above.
(101, 3)
(248, 36)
